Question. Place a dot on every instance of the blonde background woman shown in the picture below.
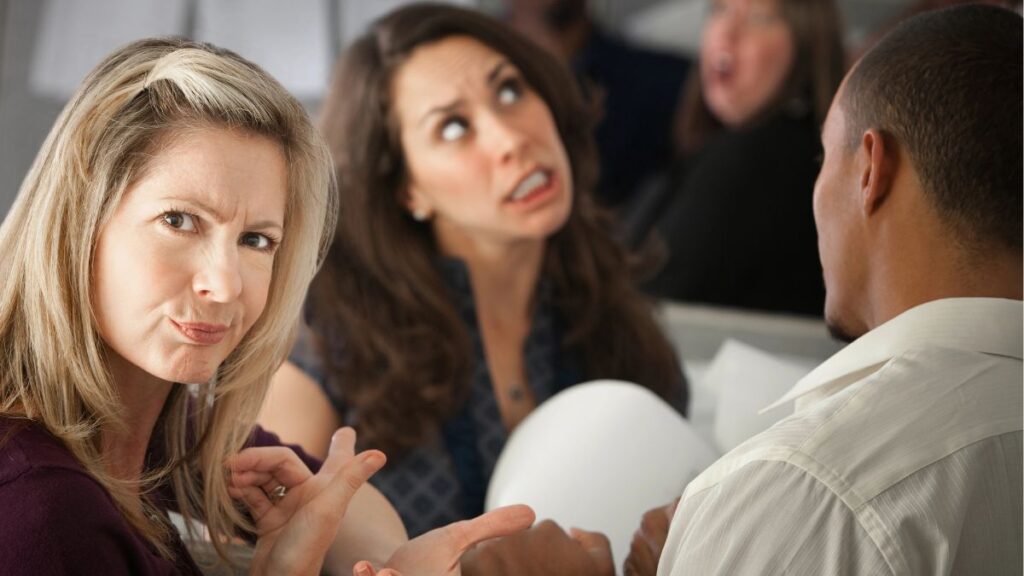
(154, 264)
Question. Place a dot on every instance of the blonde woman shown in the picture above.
(165, 237)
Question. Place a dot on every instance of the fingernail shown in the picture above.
(363, 569)
(374, 458)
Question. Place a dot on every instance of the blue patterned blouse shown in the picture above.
(446, 480)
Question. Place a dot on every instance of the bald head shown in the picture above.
(947, 86)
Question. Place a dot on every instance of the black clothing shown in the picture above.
(638, 90)
(737, 221)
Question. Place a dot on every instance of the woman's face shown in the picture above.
(747, 51)
(485, 159)
(183, 266)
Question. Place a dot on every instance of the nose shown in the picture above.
(505, 137)
(731, 24)
(219, 277)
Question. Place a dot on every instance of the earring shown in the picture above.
(420, 214)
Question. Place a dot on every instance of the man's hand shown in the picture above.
(542, 550)
(437, 553)
(649, 540)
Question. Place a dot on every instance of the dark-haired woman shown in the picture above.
(471, 276)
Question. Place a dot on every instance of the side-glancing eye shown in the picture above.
(181, 221)
(510, 91)
(453, 129)
(258, 241)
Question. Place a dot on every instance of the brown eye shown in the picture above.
(180, 221)
(258, 241)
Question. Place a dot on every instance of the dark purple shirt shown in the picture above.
(57, 519)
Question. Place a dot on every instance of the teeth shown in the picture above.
(531, 182)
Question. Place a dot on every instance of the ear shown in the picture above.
(417, 204)
(878, 163)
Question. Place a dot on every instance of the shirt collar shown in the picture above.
(987, 325)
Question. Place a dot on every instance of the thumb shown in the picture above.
(598, 546)
(498, 522)
(350, 478)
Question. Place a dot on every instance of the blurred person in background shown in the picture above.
(734, 214)
(635, 91)
(472, 277)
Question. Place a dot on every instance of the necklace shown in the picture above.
(516, 393)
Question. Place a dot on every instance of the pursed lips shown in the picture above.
(202, 332)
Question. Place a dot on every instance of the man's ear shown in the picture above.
(878, 163)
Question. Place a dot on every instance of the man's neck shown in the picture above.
(948, 275)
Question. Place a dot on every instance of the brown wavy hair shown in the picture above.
(385, 322)
(818, 68)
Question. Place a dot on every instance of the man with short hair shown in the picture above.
(904, 453)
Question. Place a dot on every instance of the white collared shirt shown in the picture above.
(903, 457)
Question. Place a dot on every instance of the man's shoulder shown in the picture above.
(919, 409)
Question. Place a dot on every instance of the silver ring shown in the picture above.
(277, 493)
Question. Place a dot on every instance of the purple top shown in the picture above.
(56, 519)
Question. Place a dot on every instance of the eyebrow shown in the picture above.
(219, 217)
(492, 76)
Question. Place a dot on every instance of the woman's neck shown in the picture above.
(504, 278)
(142, 397)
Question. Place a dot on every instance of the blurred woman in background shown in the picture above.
(472, 276)
(735, 212)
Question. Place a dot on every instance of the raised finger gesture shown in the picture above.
(296, 512)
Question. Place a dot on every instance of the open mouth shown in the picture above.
(722, 67)
(535, 184)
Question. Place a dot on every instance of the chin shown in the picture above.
(556, 220)
(192, 373)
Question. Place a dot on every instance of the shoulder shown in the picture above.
(866, 460)
(878, 430)
(787, 520)
(56, 517)
(26, 446)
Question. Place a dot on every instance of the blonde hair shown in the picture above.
(52, 359)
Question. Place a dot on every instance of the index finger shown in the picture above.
(498, 522)
(280, 462)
